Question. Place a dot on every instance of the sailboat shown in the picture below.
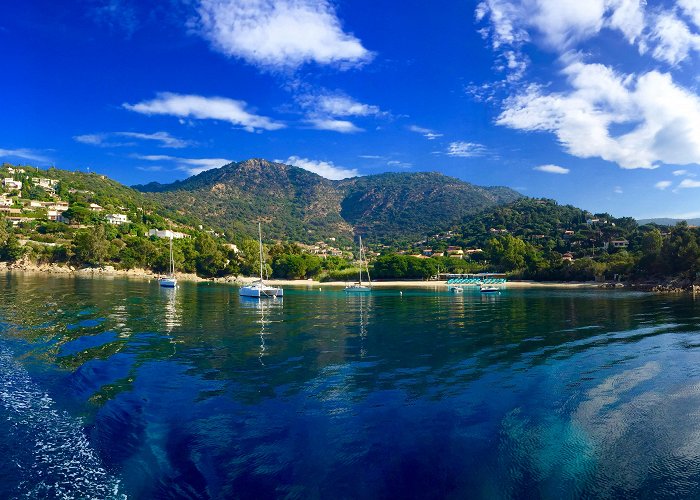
(359, 287)
(258, 288)
(169, 281)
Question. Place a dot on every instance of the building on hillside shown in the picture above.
(55, 215)
(9, 183)
(472, 251)
(5, 202)
(94, 207)
(116, 219)
(11, 211)
(568, 233)
(42, 182)
(13, 170)
(167, 233)
(233, 247)
(428, 251)
(619, 243)
(567, 257)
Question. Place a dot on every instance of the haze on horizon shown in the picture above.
(590, 103)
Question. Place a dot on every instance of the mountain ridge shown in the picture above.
(300, 205)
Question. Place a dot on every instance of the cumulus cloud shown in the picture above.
(25, 154)
(342, 126)
(330, 111)
(673, 39)
(635, 119)
(323, 168)
(192, 166)
(164, 139)
(425, 132)
(205, 108)
(280, 34)
(689, 183)
(552, 169)
(662, 118)
(663, 185)
(464, 149)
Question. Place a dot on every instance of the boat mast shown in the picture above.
(261, 252)
(360, 260)
(172, 260)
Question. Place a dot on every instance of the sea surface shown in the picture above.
(121, 389)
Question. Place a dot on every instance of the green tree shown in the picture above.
(91, 246)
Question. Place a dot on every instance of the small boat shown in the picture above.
(456, 289)
(359, 287)
(489, 289)
(169, 281)
(258, 288)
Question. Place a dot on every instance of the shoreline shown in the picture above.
(146, 275)
(670, 285)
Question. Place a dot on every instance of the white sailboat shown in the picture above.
(360, 287)
(258, 288)
(169, 280)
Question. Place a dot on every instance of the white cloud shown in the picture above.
(205, 108)
(425, 132)
(680, 172)
(342, 105)
(328, 111)
(371, 157)
(280, 34)
(618, 190)
(691, 8)
(323, 168)
(464, 149)
(689, 183)
(93, 139)
(662, 119)
(25, 154)
(164, 139)
(342, 126)
(399, 164)
(552, 169)
(673, 39)
(663, 185)
(192, 166)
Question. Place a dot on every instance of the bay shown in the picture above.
(121, 389)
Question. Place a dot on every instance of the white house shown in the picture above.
(117, 219)
(9, 183)
(167, 233)
(42, 182)
(95, 207)
(5, 202)
(619, 243)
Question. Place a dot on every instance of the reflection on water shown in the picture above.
(199, 393)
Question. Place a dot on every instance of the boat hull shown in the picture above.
(260, 292)
(358, 289)
(168, 282)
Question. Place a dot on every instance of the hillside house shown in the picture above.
(116, 219)
(11, 184)
(567, 257)
(167, 233)
(47, 184)
(94, 207)
(619, 243)
(5, 202)
(428, 251)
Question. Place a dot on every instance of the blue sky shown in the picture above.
(593, 103)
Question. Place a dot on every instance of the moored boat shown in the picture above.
(258, 288)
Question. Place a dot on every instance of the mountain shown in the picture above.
(296, 204)
(665, 221)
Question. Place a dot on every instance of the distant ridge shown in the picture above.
(299, 205)
(665, 221)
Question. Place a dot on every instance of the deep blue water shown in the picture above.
(116, 388)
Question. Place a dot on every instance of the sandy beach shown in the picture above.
(144, 274)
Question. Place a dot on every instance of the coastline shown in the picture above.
(146, 275)
(109, 272)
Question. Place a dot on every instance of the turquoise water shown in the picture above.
(121, 389)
